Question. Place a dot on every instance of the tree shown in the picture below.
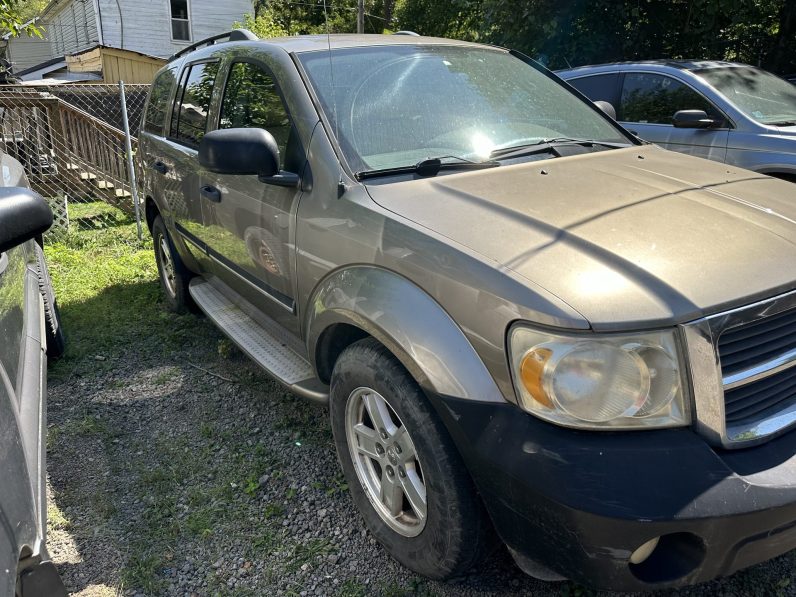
(263, 25)
(16, 17)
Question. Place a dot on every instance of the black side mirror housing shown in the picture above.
(606, 107)
(240, 151)
(693, 119)
(24, 215)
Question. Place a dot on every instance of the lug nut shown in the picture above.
(397, 448)
(379, 449)
(402, 471)
(390, 472)
(383, 434)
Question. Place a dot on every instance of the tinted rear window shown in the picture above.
(155, 116)
(599, 88)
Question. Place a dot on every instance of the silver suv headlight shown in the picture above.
(599, 382)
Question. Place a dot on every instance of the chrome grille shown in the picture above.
(750, 402)
(757, 342)
(743, 369)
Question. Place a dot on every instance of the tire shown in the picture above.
(455, 533)
(53, 330)
(174, 276)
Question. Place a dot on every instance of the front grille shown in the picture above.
(749, 403)
(757, 367)
(757, 342)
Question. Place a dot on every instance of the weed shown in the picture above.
(141, 572)
(305, 553)
(56, 521)
(352, 588)
(273, 510)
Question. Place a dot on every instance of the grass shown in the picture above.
(107, 286)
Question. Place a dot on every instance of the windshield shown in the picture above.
(394, 106)
(757, 93)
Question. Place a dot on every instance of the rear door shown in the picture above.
(250, 227)
(151, 139)
(648, 104)
(187, 126)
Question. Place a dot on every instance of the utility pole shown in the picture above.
(360, 16)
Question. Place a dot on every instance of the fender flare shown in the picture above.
(408, 322)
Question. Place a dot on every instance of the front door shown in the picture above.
(648, 104)
(249, 225)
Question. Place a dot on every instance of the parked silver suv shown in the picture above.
(723, 111)
(29, 326)
(524, 321)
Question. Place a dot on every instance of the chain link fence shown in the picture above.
(71, 142)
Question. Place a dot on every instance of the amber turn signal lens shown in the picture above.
(531, 370)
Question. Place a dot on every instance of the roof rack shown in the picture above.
(234, 35)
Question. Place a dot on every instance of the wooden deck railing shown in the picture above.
(65, 150)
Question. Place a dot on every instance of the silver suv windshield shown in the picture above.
(757, 93)
(395, 106)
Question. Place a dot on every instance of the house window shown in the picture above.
(180, 23)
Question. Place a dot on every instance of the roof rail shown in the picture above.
(406, 33)
(234, 35)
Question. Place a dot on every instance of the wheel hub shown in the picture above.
(386, 461)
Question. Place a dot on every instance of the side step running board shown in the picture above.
(264, 342)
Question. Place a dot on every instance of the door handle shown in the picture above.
(159, 166)
(211, 193)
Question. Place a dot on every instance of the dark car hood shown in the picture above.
(629, 238)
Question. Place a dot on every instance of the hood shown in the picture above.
(630, 238)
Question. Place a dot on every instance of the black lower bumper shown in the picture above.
(580, 503)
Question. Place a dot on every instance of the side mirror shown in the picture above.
(606, 107)
(24, 215)
(239, 151)
(245, 151)
(693, 119)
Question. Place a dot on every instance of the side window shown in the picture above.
(155, 116)
(653, 98)
(251, 100)
(599, 88)
(189, 118)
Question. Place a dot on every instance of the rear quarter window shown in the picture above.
(597, 88)
(155, 115)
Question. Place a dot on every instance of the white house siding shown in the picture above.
(26, 51)
(71, 27)
(147, 23)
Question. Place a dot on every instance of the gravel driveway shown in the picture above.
(197, 474)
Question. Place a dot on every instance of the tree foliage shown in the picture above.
(15, 16)
(264, 25)
(576, 32)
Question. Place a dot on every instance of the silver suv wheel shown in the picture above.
(386, 461)
(167, 267)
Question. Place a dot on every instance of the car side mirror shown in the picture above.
(606, 107)
(693, 119)
(24, 215)
(244, 151)
(239, 151)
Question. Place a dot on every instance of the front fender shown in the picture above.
(408, 322)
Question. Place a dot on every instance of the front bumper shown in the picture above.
(581, 502)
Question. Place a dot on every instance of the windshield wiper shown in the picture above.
(430, 167)
(782, 123)
(549, 145)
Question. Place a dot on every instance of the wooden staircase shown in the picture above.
(66, 152)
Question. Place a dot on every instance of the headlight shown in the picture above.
(599, 382)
